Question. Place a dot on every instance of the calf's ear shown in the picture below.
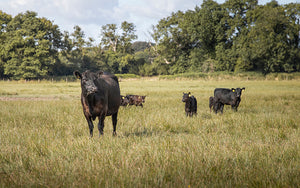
(243, 88)
(232, 89)
(100, 73)
(77, 74)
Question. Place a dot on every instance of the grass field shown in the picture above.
(44, 138)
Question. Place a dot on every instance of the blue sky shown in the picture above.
(90, 15)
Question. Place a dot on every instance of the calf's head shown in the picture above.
(237, 91)
(87, 78)
(142, 98)
(186, 96)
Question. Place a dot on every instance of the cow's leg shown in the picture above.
(237, 105)
(233, 108)
(91, 125)
(101, 124)
(216, 107)
(221, 107)
(114, 122)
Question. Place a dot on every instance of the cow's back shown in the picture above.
(221, 91)
(222, 94)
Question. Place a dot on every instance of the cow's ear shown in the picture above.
(232, 89)
(77, 74)
(100, 73)
(243, 88)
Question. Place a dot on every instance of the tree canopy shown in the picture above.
(233, 36)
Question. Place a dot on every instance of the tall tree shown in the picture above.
(269, 38)
(31, 46)
(293, 37)
(78, 51)
(4, 20)
(109, 36)
(128, 35)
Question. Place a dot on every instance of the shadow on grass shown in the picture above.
(145, 132)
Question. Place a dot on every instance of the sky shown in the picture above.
(91, 15)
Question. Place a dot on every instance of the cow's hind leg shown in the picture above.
(114, 122)
(216, 107)
(101, 124)
(221, 107)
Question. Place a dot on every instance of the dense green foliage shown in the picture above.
(233, 36)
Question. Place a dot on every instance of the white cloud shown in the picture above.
(90, 15)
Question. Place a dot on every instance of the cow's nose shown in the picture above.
(91, 90)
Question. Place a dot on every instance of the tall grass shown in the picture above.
(44, 138)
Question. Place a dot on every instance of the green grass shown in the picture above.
(44, 137)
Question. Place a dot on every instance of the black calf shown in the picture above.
(190, 104)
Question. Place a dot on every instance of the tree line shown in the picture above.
(238, 35)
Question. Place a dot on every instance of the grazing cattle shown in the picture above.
(213, 102)
(190, 104)
(136, 100)
(100, 97)
(228, 96)
(124, 101)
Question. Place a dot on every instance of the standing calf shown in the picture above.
(227, 96)
(190, 104)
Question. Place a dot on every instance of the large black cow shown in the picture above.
(190, 104)
(227, 96)
(100, 97)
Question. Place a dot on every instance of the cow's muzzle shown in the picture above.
(91, 90)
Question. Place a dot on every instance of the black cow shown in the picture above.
(227, 96)
(100, 97)
(190, 104)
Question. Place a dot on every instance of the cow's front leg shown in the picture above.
(234, 108)
(101, 124)
(91, 125)
(114, 122)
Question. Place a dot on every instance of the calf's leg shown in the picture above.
(221, 107)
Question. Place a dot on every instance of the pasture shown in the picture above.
(44, 138)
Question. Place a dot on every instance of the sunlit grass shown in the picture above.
(46, 142)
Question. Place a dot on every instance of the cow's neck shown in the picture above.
(90, 103)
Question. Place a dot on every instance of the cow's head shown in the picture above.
(186, 96)
(237, 91)
(87, 82)
(143, 98)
